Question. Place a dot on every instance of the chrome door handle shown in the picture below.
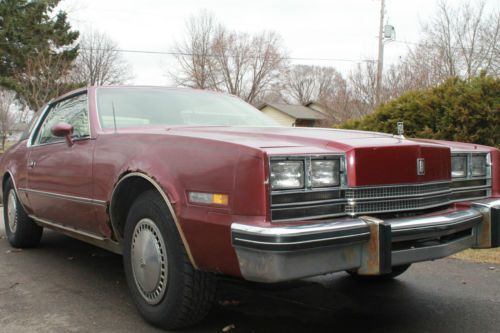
(32, 164)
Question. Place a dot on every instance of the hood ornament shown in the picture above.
(401, 129)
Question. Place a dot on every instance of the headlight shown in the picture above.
(325, 173)
(459, 166)
(478, 166)
(287, 175)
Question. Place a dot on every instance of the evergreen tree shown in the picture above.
(33, 43)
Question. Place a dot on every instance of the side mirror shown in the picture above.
(63, 130)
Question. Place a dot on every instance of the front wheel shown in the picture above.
(167, 290)
(21, 230)
(396, 271)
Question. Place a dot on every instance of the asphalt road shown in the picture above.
(69, 286)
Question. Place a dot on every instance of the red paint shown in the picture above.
(215, 159)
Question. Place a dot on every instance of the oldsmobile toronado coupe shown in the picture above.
(188, 185)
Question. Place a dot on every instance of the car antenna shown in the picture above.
(114, 115)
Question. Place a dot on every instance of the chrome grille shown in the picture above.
(301, 205)
(356, 208)
(397, 191)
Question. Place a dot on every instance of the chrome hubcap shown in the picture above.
(11, 211)
(149, 261)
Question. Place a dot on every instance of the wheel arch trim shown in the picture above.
(165, 197)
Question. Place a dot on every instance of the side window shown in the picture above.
(72, 111)
(27, 131)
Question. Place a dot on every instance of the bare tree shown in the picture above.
(339, 101)
(99, 61)
(362, 84)
(464, 38)
(212, 57)
(458, 41)
(246, 65)
(7, 99)
(310, 83)
(44, 78)
(194, 53)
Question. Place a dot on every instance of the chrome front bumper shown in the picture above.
(365, 244)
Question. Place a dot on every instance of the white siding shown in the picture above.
(280, 117)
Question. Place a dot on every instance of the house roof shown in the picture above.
(296, 111)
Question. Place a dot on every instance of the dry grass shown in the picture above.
(486, 255)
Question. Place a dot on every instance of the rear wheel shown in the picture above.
(396, 271)
(21, 230)
(167, 290)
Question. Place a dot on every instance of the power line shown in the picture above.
(211, 55)
(184, 54)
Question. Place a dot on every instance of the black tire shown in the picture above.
(188, 294)
(396, 271)
(22, 232)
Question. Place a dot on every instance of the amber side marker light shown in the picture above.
(209, 198)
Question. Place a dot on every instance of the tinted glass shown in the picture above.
(156, 106)
(72, 111)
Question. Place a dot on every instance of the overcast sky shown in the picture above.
(322, 29)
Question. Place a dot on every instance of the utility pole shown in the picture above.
(380, 53)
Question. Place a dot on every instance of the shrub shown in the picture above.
(457, 110)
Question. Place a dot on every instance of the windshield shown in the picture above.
(157, 106)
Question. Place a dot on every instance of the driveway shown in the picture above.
(69, 286)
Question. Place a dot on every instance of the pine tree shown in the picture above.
(35, 42)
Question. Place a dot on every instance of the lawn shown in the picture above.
(486, 255)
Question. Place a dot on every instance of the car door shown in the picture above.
(59, 186)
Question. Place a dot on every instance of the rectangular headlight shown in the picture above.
(287, 175)
(459, 166)
(478, 166)
(325, 173)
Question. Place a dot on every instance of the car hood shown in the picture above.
(371, 158)
(284, 137)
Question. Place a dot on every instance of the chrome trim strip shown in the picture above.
(306, 205)
(401, 225)
(93, 239)
(402, 185)
(312, 217)
(471, 188)
(61, 226)
(309, 203)
(298, 230)
(168, 203)
(66, 197)
(312, 241)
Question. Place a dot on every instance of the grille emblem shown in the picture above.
(420, 166)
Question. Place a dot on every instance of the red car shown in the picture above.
(192, 184)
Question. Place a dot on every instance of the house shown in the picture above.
(309, 115)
